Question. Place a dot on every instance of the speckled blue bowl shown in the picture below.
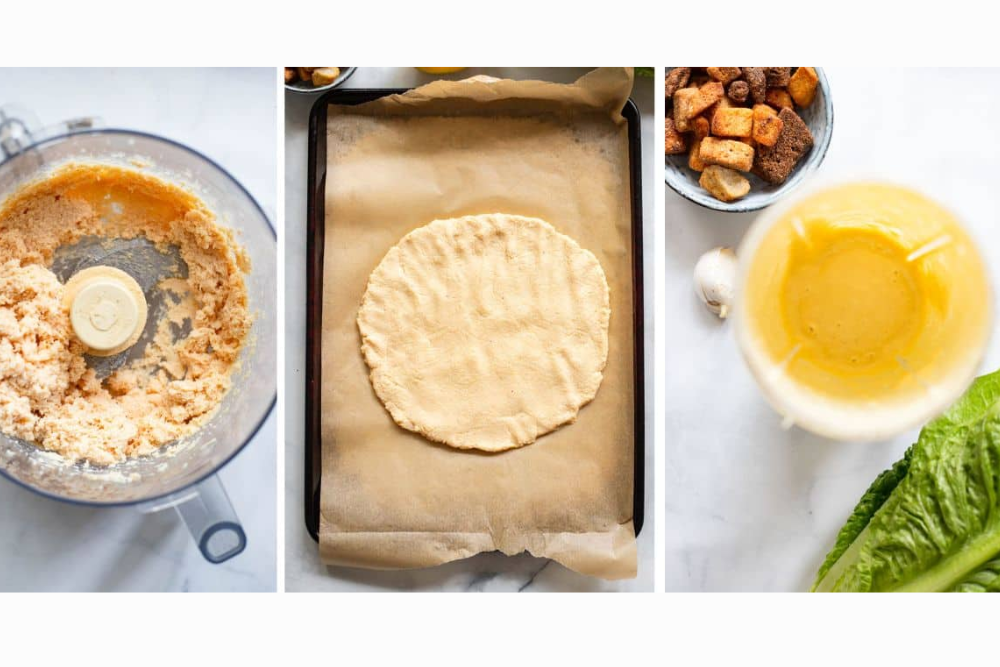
(819, 118)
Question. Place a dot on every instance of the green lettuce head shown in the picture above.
(932, 521)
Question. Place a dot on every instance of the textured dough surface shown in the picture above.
(48, 395)
(485, 332)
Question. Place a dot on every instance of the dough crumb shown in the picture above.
(48, 395)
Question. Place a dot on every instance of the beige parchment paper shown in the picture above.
(390, 498)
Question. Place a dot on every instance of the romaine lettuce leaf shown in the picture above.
(985, 580)
(870, 503)
(932, 522)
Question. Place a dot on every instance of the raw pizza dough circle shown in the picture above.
(486, 331)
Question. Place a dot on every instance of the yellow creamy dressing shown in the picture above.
(851, 298)
(866, 291)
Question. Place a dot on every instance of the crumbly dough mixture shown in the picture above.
(487, 331)
(48, 395)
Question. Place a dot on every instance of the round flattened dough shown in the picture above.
(487, 331)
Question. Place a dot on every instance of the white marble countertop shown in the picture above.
(486, 572)
(748, 505)
(51, 546)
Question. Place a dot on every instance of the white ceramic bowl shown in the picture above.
(304, 88)
(818, 117)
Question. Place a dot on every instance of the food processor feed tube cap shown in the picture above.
(110, 313)
(107, 309)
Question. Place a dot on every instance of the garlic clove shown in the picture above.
(715, 279)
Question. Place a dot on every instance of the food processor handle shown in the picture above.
(213, 523)
(20, 129)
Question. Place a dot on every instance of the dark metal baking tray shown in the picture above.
(314, 296)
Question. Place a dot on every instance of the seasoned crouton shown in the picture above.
(732, 122)
(324, 76)
(738, 91)
(802, 86)
(766, 125)
(724, 184)
(724, 74)
(687, 105)
(777, 77)
(713, 91)
(690, 102)
(779, 99)
(727, 153)
(764, 110)
(676, 143)
(758, 83)
(775, 163)
(700, 128)
(676, 79)
(723, 103)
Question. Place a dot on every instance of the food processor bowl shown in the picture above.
(180, 474)
(953, 325)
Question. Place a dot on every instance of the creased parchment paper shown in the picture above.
(390, 498)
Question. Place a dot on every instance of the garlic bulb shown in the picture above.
(715, 278)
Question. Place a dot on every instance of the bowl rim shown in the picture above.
(800, 174)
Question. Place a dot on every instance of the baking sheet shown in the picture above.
(389, 497)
